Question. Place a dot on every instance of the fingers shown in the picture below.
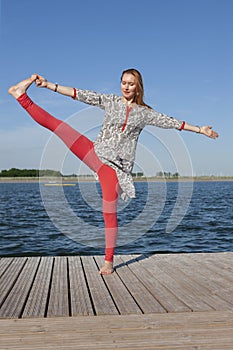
(213, 134)
(40, 77)
(34, 76)
(40, 80)
(208, 131)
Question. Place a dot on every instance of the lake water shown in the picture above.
(40, 220)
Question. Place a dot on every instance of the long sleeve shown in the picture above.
(162, 120)
(92, 98)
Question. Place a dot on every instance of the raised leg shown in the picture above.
(83, 148)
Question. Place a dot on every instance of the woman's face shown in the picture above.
(128, 86)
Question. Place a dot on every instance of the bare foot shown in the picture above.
(107, 269)
(20, 88)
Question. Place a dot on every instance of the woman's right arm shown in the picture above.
(89, 97)
(64, 90)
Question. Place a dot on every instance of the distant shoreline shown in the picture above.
(92, 179)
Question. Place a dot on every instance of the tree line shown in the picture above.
(14, 172)
(167, 175)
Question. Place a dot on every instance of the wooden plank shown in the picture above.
(219, 277)
(225, 262)
(123, 299)
(140, 266)
(190, 291)
(173, 284)
(170, 331)
(14, 303)
(215, 263)
(102, 300)
(141, 295)
(79, 295)
(59, 295)
(4, 264)
(191, 280)
(32, 287)
(219, 293)
(8, 279)
(221, 261)
(38, 297)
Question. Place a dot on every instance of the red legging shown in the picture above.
(83, 148)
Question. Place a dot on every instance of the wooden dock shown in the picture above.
(172, 301)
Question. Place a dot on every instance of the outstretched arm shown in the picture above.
(152, 117)
(86, 96)
(64, 90)
(205, 130)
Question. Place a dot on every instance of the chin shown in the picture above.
(128, 97)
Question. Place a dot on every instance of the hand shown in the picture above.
(41, 81)
(207, 130)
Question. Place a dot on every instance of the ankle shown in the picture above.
(107, 268)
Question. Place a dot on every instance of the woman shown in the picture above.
(112, 155)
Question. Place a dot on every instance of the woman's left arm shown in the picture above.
(205, 130)
(152, 117)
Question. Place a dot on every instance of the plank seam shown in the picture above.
(49, 289)
(68, 287)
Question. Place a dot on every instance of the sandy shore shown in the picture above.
(92, 179)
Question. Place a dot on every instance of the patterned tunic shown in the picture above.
(117, 140)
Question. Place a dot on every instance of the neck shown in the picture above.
(128, 102)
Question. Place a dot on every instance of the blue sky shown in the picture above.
(183, 49)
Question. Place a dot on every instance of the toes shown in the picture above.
(107, 268)
(106, 272)
(10, 90)
(34, 76)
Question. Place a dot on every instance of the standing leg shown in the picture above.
(110, 188)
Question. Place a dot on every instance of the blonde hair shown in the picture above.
(139, 96)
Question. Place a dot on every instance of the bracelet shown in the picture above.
(56, 85)
(182, 126)
(74, 93)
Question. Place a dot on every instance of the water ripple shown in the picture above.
(26, 229)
